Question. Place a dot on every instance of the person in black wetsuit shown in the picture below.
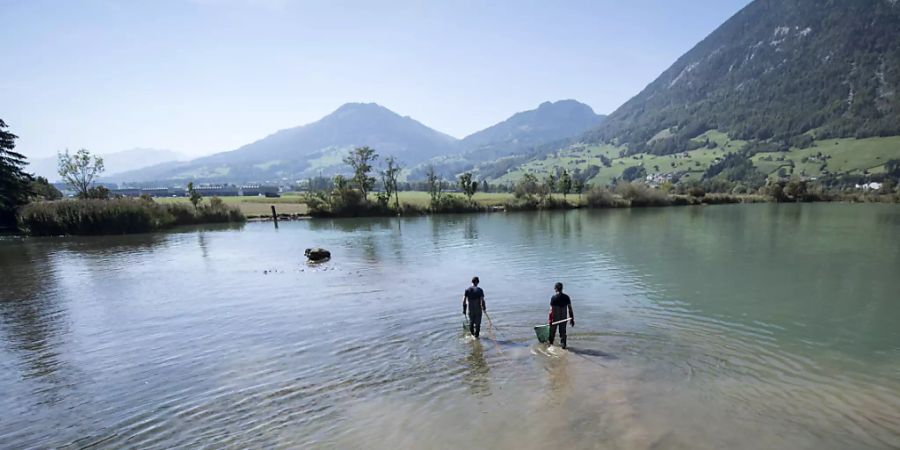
(560, 305)
(474, 300)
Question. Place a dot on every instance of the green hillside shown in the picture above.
(775, 71)
(832, 156)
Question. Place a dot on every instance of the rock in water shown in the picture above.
(317, 254)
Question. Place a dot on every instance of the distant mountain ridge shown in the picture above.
(319, 147)
(550, 121)
(776, 70)
(311, 149)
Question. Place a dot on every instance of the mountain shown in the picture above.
(781, 71)
(523, 133)
(550, 122)
(311, 149)
(115, 162)
(319, 147)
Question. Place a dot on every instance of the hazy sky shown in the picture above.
(200, 76)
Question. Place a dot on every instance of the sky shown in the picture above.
(202, 76)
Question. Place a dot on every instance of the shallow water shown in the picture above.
(744, 326)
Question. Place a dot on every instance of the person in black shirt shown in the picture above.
(474, 300)
(560, 304)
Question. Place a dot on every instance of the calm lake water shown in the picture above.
(745, 326)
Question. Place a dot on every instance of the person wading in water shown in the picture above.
(560, 304)
(474, 300)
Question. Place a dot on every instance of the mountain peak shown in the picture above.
(550, 121)
(359, 107)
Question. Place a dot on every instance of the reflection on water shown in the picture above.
(745, 326)
(478, 376)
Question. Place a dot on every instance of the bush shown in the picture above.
(217, 212)
(345, 202)
(639, 194)
(449, 203)
(116, 216)
(600, 197)
(91, 216)
(532, 203)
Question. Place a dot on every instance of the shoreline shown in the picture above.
(747, 200)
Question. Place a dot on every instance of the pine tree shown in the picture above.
(15, 183)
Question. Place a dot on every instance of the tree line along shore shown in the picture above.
(34, 207)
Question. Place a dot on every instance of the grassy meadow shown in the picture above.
(846, 155)
(253, 206)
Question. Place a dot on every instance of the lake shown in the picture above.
(738, 326)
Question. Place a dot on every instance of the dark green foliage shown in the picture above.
(41, 189)
(342, 201)
(193, 195)
(389, 183)
(634, 173)
(892, 169)
(467, 185)
(536, 203)
(590, 172)
(15, 183)
(349, 198)
(96, 193)
(734, 167)
(601, 197)
(435, 187)
(117, 216)
(578, 186)
(565, 183)
(360, 161)
(455, 204)
(639, 194)
(500, 167)
(772, 72)
(526, 187)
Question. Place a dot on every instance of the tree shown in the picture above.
(361, 160)
(633, 173)
(195, 196)
(550, 181)
(389, 180)
(565, 183)
(434, 186)
(467, 185)
(42, 189)
(15, 183)
(80, 170)
(796, 189)
(485, 187)
(526, 187)
(578, 186)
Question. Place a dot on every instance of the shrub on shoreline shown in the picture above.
(118, 216)
(601, 197)
(639, 195)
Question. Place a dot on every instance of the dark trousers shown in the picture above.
(474, 322)
(562, 333)
(559, 313)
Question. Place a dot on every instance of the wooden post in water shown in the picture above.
(274, 216)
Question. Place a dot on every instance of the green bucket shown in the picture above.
(543, 333)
